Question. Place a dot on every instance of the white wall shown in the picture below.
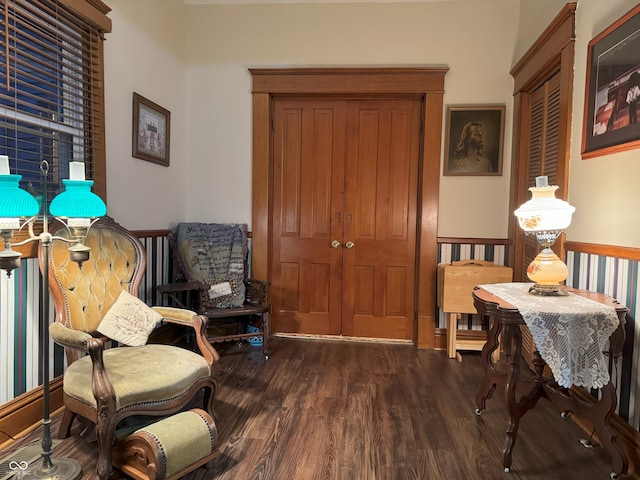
(604, 189)
(145, 54)
(475, 38)
(210, 174)
(193, 60)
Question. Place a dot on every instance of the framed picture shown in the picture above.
(151, 131)
(613, 89)
(474, 139)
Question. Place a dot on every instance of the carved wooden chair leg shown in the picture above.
(65, 424)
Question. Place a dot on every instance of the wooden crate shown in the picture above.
(455, 284)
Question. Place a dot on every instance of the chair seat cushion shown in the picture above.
(146, 374)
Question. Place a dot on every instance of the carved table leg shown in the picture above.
(491, 375)
(601, 414)
(512, 338)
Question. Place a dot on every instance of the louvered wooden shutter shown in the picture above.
(544, 130)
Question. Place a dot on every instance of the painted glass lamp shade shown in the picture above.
(546, 217)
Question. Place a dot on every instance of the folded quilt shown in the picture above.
(215, 254)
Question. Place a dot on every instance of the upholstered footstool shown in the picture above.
(170, 448)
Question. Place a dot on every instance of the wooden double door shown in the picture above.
(344, 217)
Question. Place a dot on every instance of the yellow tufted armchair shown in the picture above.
(104, 382)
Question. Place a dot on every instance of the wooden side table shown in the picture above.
(507, 323)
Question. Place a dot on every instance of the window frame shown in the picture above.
(84, 13)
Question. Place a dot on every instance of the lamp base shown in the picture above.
(62, 469)
(548, 290)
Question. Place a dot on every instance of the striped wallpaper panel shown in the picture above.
(618, 278)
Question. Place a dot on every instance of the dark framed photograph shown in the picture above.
(474, 140)
(613, 89)
(151, 131)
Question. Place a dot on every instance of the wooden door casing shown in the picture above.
(426, 83)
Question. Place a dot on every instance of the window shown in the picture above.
(51, 89)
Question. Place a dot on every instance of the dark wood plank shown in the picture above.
(335, 410)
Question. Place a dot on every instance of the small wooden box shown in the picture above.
(455, 285)
(170, 448)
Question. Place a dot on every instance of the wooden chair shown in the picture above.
(210, 255)
(112, 382)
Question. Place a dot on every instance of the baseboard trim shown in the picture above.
(25, 412)
(342, 338)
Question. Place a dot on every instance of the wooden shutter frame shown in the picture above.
(552, 52)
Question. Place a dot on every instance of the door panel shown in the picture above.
(308, 178)
(381, 171)
(345, 171)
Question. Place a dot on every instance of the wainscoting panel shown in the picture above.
(617, 277)
(19, 330)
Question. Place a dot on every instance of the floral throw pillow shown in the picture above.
(129, 321)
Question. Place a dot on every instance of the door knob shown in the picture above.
(335, 244)
(349, 244)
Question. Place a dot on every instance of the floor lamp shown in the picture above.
(77, 207)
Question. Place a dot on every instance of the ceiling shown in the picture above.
(246, 2)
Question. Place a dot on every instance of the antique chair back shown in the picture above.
(82, 295)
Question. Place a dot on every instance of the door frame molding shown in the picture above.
(426, 82)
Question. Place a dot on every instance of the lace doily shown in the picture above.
(570, 332)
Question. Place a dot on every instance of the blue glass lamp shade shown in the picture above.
(15, 203)
(77, 201)
(78, 205)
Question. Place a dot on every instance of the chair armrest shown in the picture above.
(82, 341)
(178, 287)
(69, 338)
(181, 316)
(180, 293)
(101, 387)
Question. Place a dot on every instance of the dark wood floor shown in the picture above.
(366, 411)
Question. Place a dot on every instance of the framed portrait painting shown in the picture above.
(474, 140)
(151, 131)
(612, 93)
